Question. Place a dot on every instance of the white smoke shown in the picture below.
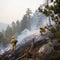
(35, 25)
(25, 34)
(36, 22)
(4, 49)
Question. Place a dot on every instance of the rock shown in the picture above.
(46, 49)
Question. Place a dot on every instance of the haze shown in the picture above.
(12, 10)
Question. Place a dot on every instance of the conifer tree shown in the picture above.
(52, 11)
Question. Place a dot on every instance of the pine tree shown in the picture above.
(1, 37)
(52, 11)
(8, 32)
(25, 23)
(18, 26)
(13, 27)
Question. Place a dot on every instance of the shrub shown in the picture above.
(57, 34)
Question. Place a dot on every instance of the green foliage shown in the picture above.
(57, 34)
(51, 8)
(40, 10)
(48, 10)
(1, 37)
(53, 30)
(8, 32)
(18, 26)
(14, 28)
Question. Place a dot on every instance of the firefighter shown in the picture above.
(13, 42)
(43, 30)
